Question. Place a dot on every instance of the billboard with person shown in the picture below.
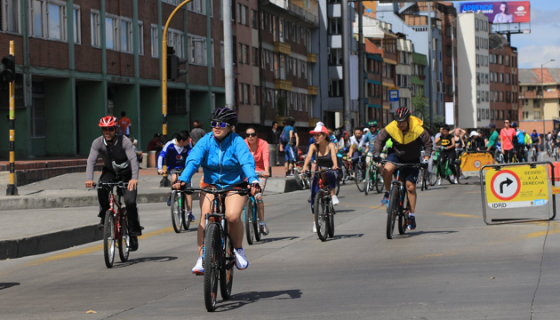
(500, 11)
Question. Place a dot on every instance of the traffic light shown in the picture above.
(173, 63)
(9, 73)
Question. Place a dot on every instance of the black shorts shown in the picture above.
(410, 174)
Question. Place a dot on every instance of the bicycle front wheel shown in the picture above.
(434, 176)
(212, 263)
(359, 177)
(249, 222)
(392, 211)
(330, 217)
(184, 216)
(299, 179)
(175, 212)
(109, 239)
(378, 180)
(368, 182)
(124, 239)
(256, 221)
(226, 272)
(403, 215)
(321, 221)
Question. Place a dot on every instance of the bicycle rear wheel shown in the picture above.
(330, 216)
(359, 177)
(211, 263)
(299, 179)
(226, 272)
(124, 239)
(392, 211)
(175, 212)
(321, 221)
(184, 216)
(249, 222)
(368, 182)
(434, 176)
(109, 239)
(256, 221)
(378, 182)
(403, 215)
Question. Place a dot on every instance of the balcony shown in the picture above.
(312, 58)
(312, 90)
(282, 85)
(307, 11)
(284, 48)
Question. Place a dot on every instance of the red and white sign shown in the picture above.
(505, 185)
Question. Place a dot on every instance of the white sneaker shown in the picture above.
(439, 181)
(198, 267)
(314, 228)
(335, 201)
(452, 177)
(455, 181)
(241, 261)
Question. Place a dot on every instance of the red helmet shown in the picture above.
(402, 114)
(108, 121)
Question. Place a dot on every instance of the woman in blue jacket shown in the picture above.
(227, 164)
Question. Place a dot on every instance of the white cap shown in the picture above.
(473, 133)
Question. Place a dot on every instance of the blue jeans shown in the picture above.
(290, 153)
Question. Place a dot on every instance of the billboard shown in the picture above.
(500, 11)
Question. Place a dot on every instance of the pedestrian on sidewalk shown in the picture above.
(119, 164)
(289, 141)
(125, 124)
(274, 138)
(197, 132)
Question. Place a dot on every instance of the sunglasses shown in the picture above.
(218, 124)
(251, 134)
(108, 129)
(318, 135)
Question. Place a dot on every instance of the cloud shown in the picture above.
(533, 56)
(540, 16)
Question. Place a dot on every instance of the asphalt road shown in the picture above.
(452, 266)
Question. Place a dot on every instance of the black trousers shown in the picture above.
(508, 155)
(129, 199)
(445, 156)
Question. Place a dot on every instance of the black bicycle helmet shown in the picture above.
(402, 114)
(224, 115)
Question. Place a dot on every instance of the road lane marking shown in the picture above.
(92, 249)
(458, 215)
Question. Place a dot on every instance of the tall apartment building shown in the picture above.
(404, 70)
(474, 80)
(289, 74)
(79, 60)
(531, 85)
(418, 79)
(411, 18)
(504, 84)
(374, 83)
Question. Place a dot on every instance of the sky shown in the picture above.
(543, 43)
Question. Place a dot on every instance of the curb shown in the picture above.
(64, 239)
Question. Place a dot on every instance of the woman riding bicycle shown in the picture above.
(227, 164)
(260, 152)
(326, 159)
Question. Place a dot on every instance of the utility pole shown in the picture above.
(361, 105)
(9, 75)
(345, 66)
(228, 54)
(542, 93)
(455, 107)
(430, 66)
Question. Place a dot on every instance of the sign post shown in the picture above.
(394, 98)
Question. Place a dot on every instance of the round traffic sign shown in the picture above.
(505, 185)
(477, 164)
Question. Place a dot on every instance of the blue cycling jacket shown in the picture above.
(225, 163)
(176, 156)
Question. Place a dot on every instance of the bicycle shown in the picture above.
(218, 257)
(324, 209)
(398, 200)
(301, 179)
(373, 178)
(438, 170)
(533, 153)
(252, 219)
(178, 211)
(347, 170)
(359, 174)
(115, 228)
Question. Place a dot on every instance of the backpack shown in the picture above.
(285, 136)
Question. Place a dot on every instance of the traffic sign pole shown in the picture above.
(12, 190)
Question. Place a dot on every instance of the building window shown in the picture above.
(140, 38)
(77, 25)
(111, 32)
(154, 36)
(255, 57)
(9, 13)
(198, 50)
(95, 29)
(126, 35)
(175, 39)
(199, 6)
(48, 19)
(335, 26)
(254, 22)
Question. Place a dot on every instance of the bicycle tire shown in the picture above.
(175, 212)
(256, 221)
(321, 221)
(392, 211)
(249, 222)
(124, 239)
(378, 183)
(434, 176)
(226, 272)
(299, 180)
(368, 182)
(337, 186)
(330, 216)
(109, 239)
(403, 216)
(184, 216)
(459, 173)
(358, 177)
(212, 263)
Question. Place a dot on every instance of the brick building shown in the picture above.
(504, 85)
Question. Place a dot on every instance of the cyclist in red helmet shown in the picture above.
(408, 138)
(119, 164)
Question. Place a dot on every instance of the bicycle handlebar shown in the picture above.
(404, 165)
(119, 184)
(242, 192)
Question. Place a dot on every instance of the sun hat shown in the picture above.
(320, 128)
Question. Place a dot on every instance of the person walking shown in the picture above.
(507, 136)
(197, 132)
(125, 124)
(273, 139)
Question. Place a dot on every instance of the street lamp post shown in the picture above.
(542, 93)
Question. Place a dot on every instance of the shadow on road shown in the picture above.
(267, 240)
(339, 211)
(131, 262)
(241, 299)
(419, 233)
(8, 285)
(348, 236)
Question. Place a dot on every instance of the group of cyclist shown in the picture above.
(230, 162)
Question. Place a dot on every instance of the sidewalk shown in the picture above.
(21, 235)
